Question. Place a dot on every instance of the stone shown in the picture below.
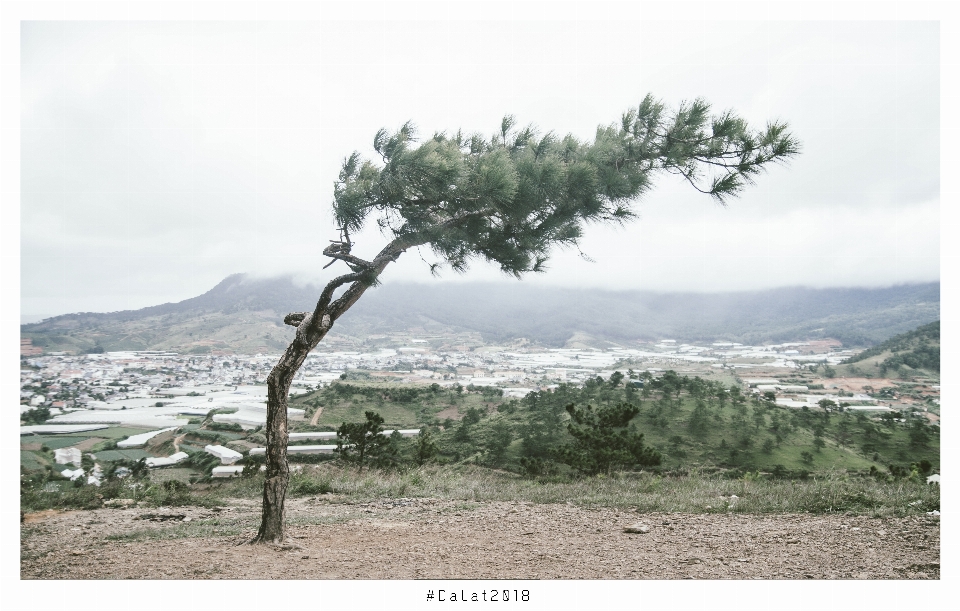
(638, 528)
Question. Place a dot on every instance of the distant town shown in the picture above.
(144, 394)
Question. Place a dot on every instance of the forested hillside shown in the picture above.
(673, 422)
(917, 349)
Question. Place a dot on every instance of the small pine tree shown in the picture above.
(498, 440)
(602, 440)
(699, 422)
(424, 448)
(358, 440)
(919, 438)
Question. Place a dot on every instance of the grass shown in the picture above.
(468, 487)
(51, 441)
(122, 455)
(209, 436)
(120, 432)
(35, 461)
(833, 492)
(59, 494)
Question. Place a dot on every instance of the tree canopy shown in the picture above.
(509, 198)
(602, 440)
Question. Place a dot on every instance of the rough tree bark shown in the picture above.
(312, 327)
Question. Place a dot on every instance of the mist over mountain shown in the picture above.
(242, 313)
(552, 315)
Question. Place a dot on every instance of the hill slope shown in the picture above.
(917, 349)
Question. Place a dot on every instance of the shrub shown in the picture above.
(225, 426)
(304, 485)
(37, 415)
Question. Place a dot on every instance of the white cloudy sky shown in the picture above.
(158, 157)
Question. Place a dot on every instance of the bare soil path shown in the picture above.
(428, 538)
(316, 416)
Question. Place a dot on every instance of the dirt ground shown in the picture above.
(431, 539)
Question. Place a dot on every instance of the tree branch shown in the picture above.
(355, 263)
(295, 318)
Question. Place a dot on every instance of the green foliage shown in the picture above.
(699, 419)
(119, 455)
(225, 426)
(205, 436)
(357, 441)
(137, 469)
(389, 454)
(918, 349)
(602, 441)
(37, 415)
(922, 357)
(424, 448)
(877, 495)
(106, 444)
(202, 462)
(169, 493)
(499, 437)
(302, 485)
(543, 428)
(827, 404)
(919, 437)
(511, 198)
(472, 416)
(536, 466)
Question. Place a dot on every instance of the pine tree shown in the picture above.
(602, 440)
(508, 199)
(356, 441)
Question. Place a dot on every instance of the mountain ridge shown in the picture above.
(254, 308)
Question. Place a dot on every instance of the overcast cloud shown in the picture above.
(159, 157)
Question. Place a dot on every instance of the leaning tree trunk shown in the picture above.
(278, 470)
(311, 328)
